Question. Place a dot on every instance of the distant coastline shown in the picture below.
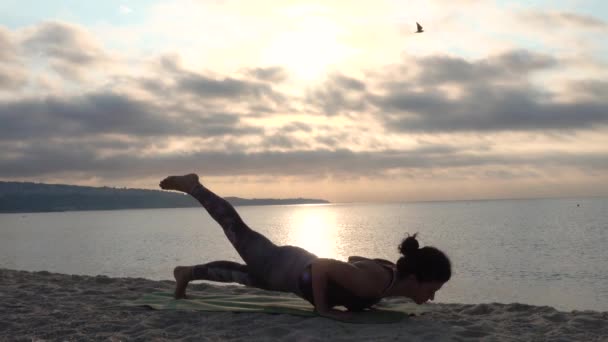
(24, 197)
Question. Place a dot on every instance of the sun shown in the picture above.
(309, 50)
(315, 229)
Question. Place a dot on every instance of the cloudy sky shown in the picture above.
(331, 99)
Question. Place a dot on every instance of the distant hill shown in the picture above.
(39, 197)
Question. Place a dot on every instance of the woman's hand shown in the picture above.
(336, 314)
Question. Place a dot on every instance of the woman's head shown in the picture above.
(429, 267)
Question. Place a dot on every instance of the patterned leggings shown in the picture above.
(267, 265)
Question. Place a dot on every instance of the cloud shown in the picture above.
(208, 87)
(282, 142)
(11, 77)
(80, 116)
(108, 113)
(12, 71)
(70, 50)
(7, 47)
(271, 74)
(507, 66)
(590, 90)
(339, 94)
(227, 88)
(486, 109)
(71, 158)
(494, 94)
(551, 19)
(297, 126)
(105, 132)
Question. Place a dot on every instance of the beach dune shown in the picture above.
(44, 306)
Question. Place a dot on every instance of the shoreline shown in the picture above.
(52, 306)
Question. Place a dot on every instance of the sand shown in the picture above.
(43, 306)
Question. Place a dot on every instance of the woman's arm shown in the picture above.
(358, 281)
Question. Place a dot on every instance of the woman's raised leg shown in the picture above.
(274, 267)
(252, 246)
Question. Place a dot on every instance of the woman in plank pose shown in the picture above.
(325, 283)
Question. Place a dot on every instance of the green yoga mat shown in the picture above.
(269, 304)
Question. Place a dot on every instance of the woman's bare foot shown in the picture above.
(182, 275)
(180, 183)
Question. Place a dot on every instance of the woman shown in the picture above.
(325, 283)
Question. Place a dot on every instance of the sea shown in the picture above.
(550, 252)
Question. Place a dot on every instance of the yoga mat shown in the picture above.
(269, 304)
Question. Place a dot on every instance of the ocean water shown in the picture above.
(540, 252)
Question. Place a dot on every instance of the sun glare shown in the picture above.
(309, 50)
(315, 229)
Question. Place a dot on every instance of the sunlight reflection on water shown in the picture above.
(315, 229)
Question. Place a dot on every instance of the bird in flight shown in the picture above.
(419, 27)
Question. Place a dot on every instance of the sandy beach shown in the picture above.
(43, 306)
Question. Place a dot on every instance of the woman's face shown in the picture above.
(425, 291)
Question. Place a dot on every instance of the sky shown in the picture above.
(338, 100)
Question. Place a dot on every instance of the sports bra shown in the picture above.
(337, 295)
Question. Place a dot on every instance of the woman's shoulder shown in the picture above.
(385, 262)
(372, 266)
(357, 259)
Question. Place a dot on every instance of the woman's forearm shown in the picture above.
(319, 285)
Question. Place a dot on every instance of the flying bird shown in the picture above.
(419, 27)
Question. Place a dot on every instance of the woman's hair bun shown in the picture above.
(409, 245)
